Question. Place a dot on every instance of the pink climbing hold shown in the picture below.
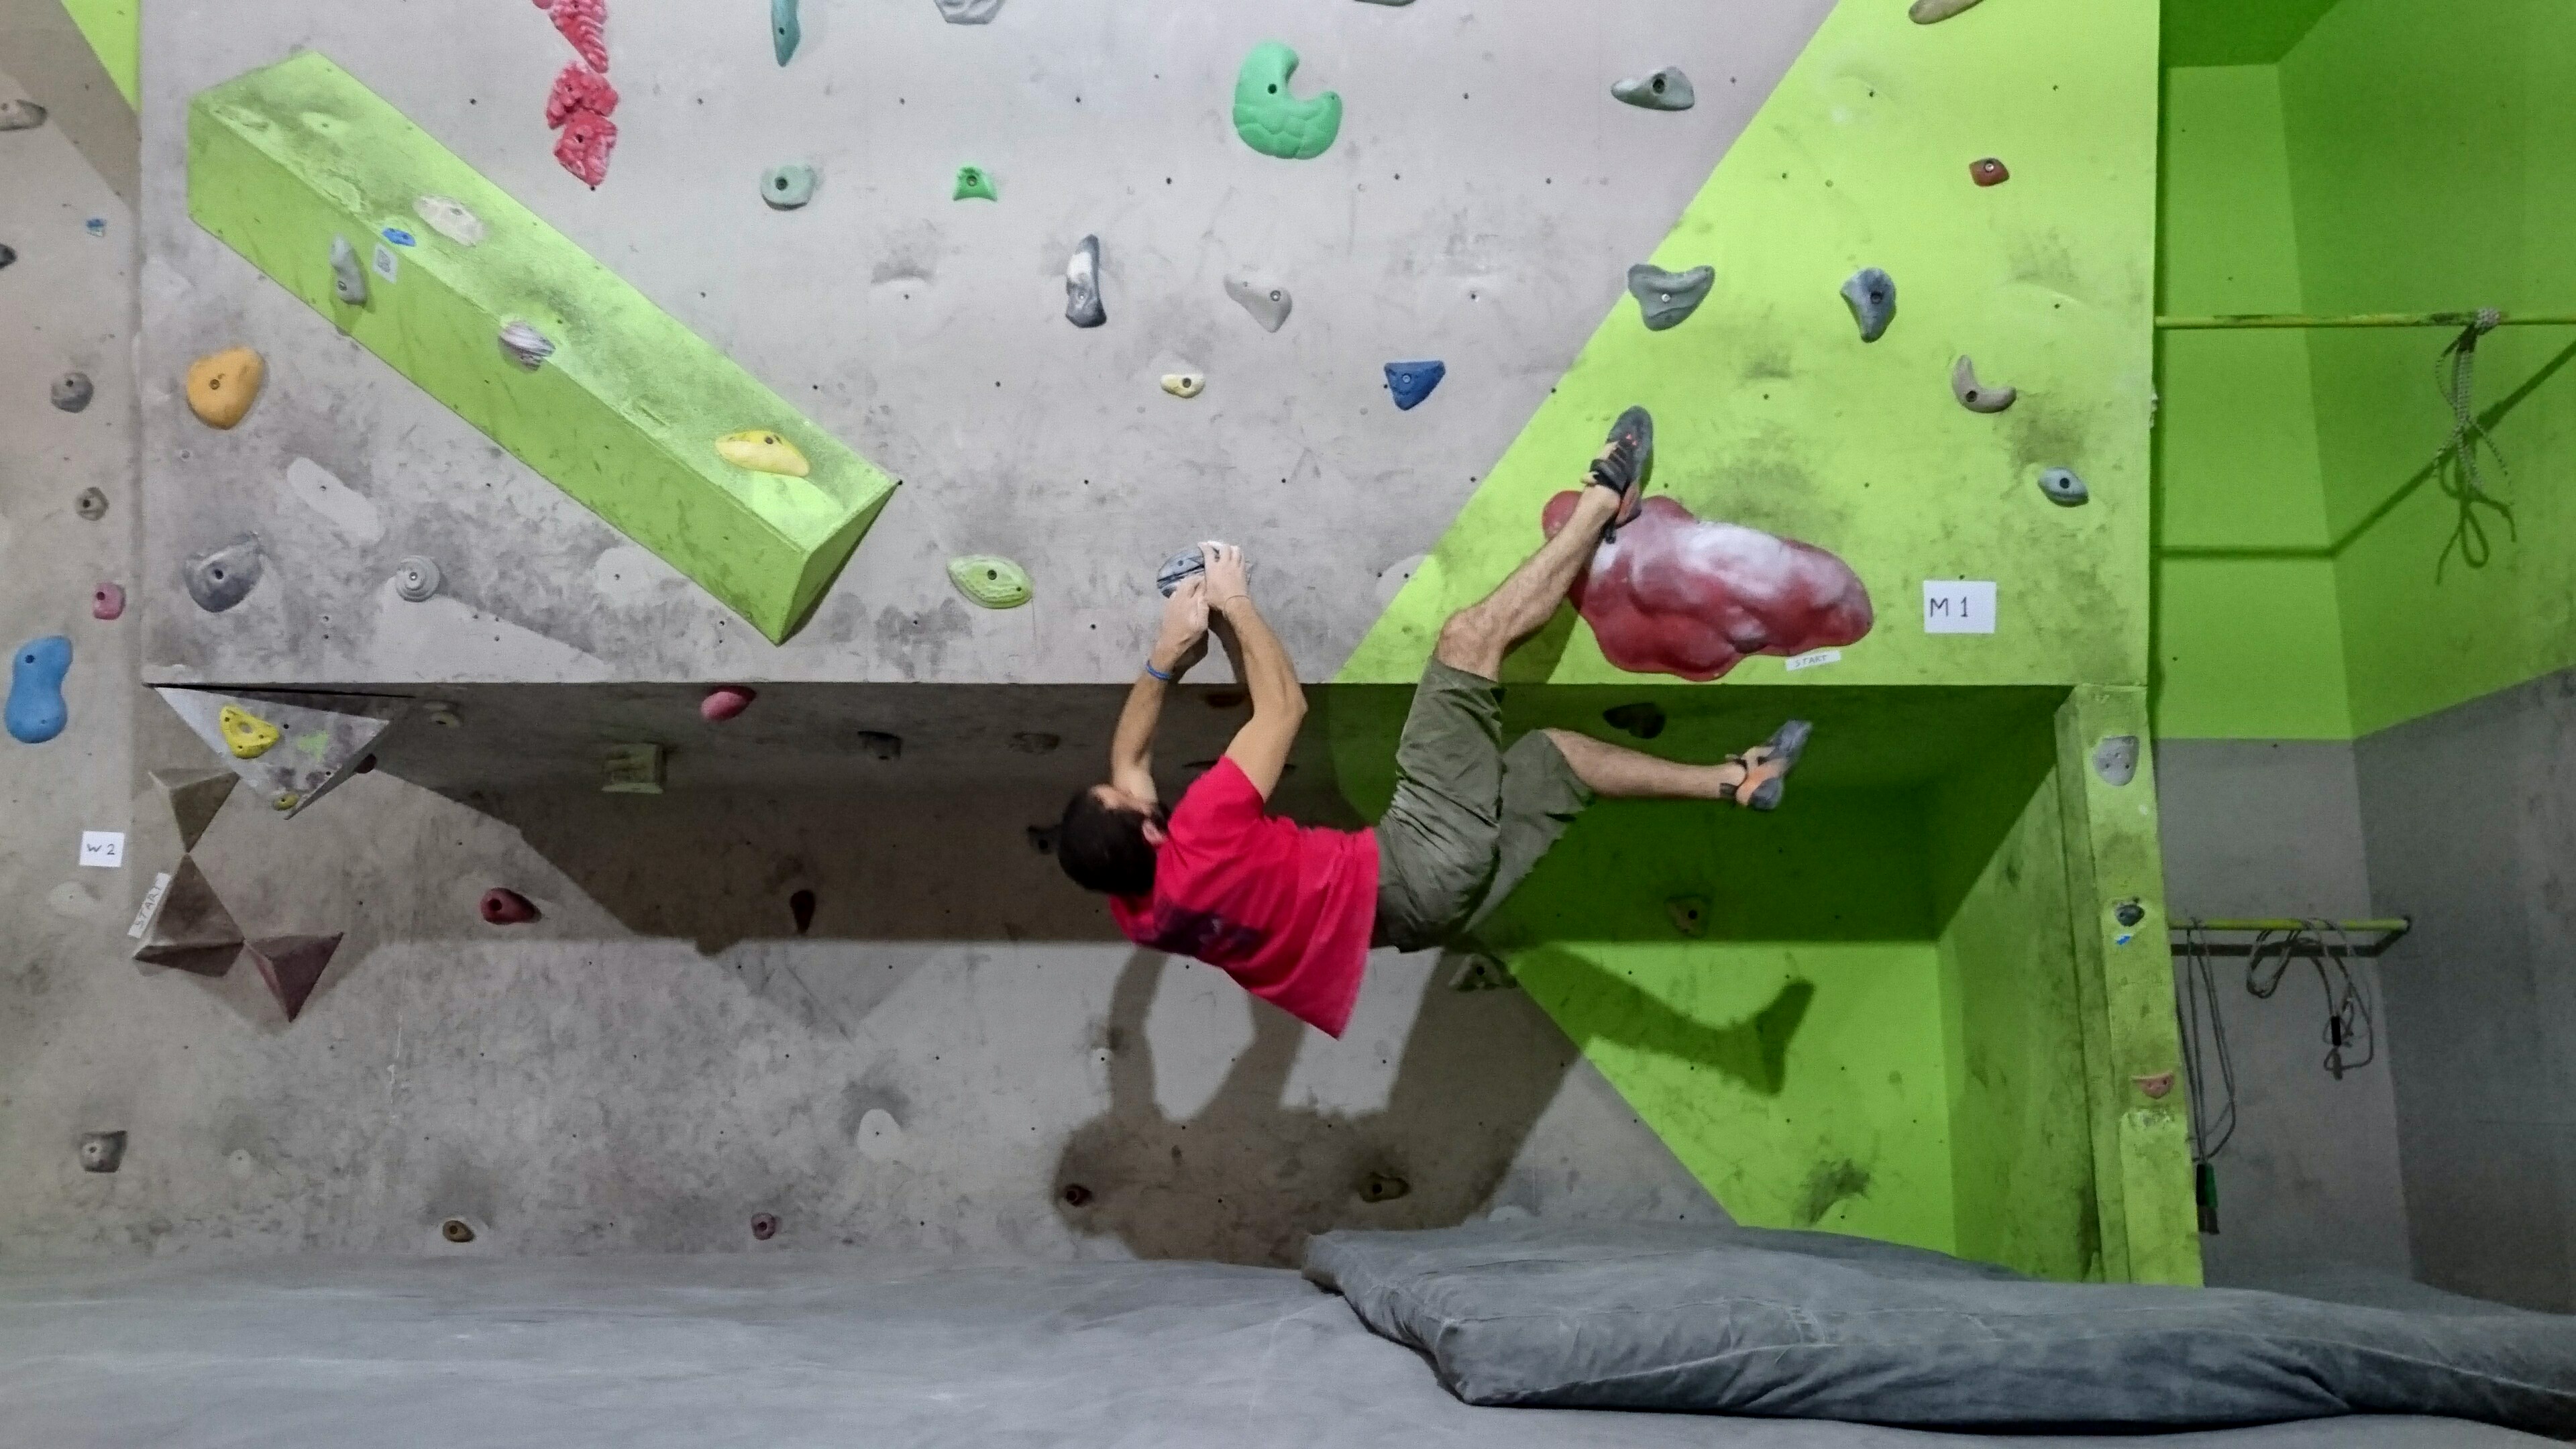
(1675, 594)
(584, 146)
(505, 907)
(581, 22)
(725, 701)
(579, 88)
(107, 601)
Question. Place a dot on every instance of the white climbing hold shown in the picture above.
(1267, 301)
(1931, 12)
(417, 579)
(968, 12)
(21, 116)
(348, 274)
(525, 345)
(448, 217)
(1975, 396)
(1184, 384)
(1666, 90)
(1082, 306)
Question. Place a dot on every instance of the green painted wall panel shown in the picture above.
(624, 416)
(113, 29)
(2249, 648)
(2434, 166)
(1772, 413)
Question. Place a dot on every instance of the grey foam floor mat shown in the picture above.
(782, 1350)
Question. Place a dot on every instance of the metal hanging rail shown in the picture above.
(2285, 320)
(2331, 935)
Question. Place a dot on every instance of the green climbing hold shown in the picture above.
(990, 580)
(1274, 122)
(975, 181)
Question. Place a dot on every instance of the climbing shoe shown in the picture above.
(1625, 464)
(1767, 766)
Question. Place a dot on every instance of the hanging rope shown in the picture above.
(2213, 1098)
(2351, 1034)
(2455, 376)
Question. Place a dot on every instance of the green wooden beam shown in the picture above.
(624, 415)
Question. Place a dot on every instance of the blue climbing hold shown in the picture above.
(400, 237)
(785, 33)
(1411, 382)
(36, 712)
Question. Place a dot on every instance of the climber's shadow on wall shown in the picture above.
(1249, 1176)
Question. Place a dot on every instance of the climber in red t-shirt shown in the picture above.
(1291, 911)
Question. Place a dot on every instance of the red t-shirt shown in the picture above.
(1283, 908)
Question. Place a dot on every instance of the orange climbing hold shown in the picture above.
(223, 385)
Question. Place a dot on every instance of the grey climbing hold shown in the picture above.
(195, 796)
(786, 32)
(1036, 742)
(90, 504)
(348, 274)
(1179, 569)
(416, 579)
(1932, 12)
(21, 116)
(1042, 839)
(1666, 90)
(188, 928)
(1480, 972)
(1666, 299)
(292, 966)
(2064, 489)
(525, 346)
(968, 12)
(2116, 760)
(220, 578)
(1871, 295)
(1386, 2)
(785, 188)
(2129, 913)
(1267, 301)
(1690, 915)
(101, 1151)
(1082, 305)
(879, 744)
(1975, 396)
(1383, 1187)
(8, 254)
(72, 391)
(990, 580)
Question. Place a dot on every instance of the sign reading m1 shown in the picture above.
(1958, 606)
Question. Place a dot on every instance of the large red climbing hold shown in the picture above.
(581, 22)
(1675, 594)
(505, 907)
(584, 146)
(579, 88)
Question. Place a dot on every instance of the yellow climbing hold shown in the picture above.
(1184, 384)
(763, 451)
(288, 800)
(223, 385)
(249, 736)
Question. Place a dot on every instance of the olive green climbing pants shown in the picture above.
(1470, 818)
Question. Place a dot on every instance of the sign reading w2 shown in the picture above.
(1958, 606)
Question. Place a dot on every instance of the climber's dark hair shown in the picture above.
(1103, 846)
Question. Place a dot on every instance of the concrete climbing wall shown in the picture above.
(1481, 205)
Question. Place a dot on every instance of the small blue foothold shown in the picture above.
(400, 237)
(36, 712)
(785, 33)
(95, 226)
(1411, 382)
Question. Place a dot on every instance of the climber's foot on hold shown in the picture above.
(1767, 765)
(1625, 460)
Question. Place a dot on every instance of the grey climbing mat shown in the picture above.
(1771, 1323)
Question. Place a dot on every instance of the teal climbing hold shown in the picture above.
(784, 31)
(975, 181)
(788, 187)
(1411, 382)
(1274, 122)
(36, 713)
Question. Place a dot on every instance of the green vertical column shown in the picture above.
(2124, 972)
